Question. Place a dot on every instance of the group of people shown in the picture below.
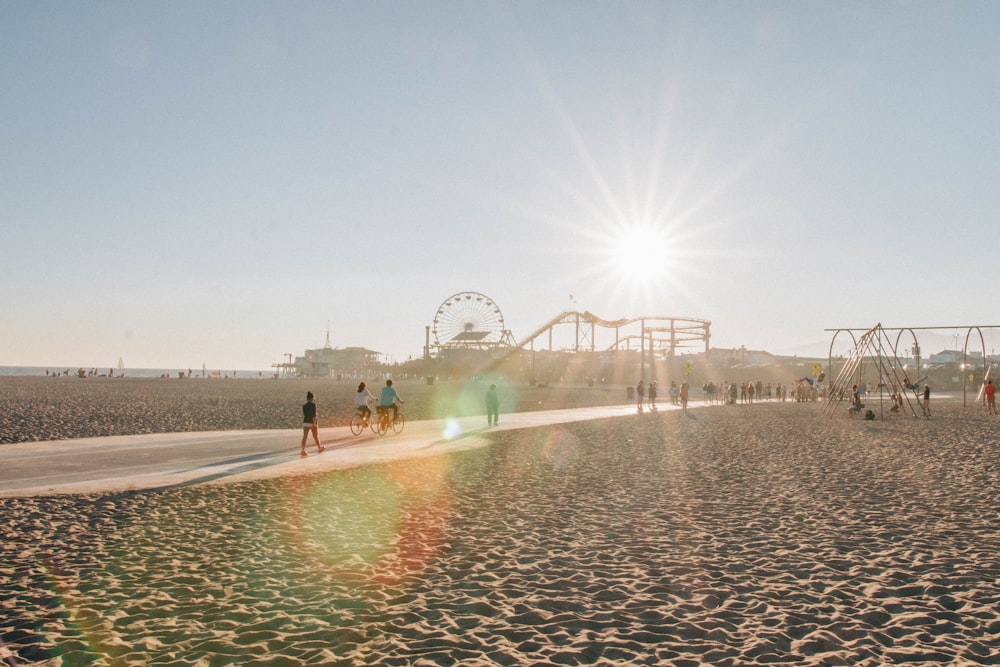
(388, 398)
(858, 394)
(730, 393)
(678, 394)
(724, 392)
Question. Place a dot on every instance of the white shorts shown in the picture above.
(307, 425)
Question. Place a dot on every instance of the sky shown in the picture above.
(224, 183)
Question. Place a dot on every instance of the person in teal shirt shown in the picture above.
(388, 398)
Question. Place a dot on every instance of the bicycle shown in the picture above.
(359, 422)
(383, 422)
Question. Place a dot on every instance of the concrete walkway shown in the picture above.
(119, 463)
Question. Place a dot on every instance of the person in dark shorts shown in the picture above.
(310, 423)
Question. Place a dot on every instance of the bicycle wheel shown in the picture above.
(357, 424)
(383, 423)
(397, 424)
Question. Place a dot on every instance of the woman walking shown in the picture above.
(310, 423)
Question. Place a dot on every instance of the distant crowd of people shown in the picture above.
(749, 392)
(93, 372)
(84, 373)
(726, 393)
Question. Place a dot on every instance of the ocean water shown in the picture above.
(25, 371)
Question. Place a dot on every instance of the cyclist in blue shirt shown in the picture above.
(388, 398)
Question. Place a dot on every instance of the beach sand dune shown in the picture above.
(725, 536)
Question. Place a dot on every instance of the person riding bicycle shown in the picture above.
(361, 399)
(388, 399)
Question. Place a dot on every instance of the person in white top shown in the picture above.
(361, 400)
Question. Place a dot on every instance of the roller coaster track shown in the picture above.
(679, 331)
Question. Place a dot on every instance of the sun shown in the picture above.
(640, 253)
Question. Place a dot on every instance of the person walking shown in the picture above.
(990, 392)
(927, 400)
(492, 406)
(310, 423)
(640, 392)
(652, 395)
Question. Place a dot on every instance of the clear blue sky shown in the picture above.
(216, 181)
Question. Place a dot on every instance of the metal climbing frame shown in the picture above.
(873, 347)
(978, 328)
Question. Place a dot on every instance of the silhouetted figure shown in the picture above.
(492, 406)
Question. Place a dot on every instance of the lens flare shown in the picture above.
(452, 429)
(383, 523)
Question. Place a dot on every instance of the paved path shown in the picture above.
(119, 463)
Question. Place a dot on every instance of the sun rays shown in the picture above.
(639, 215)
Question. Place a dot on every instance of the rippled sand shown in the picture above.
(725, 536)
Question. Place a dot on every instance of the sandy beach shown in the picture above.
(724, 536)
(57, 408)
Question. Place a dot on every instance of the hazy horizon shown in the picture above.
(932, 343)
(192, 182)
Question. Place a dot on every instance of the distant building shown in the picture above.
(740, 356)
(348, 362)
(946, 357)
(954, 357)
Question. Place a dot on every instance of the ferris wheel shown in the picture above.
(468, 320)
